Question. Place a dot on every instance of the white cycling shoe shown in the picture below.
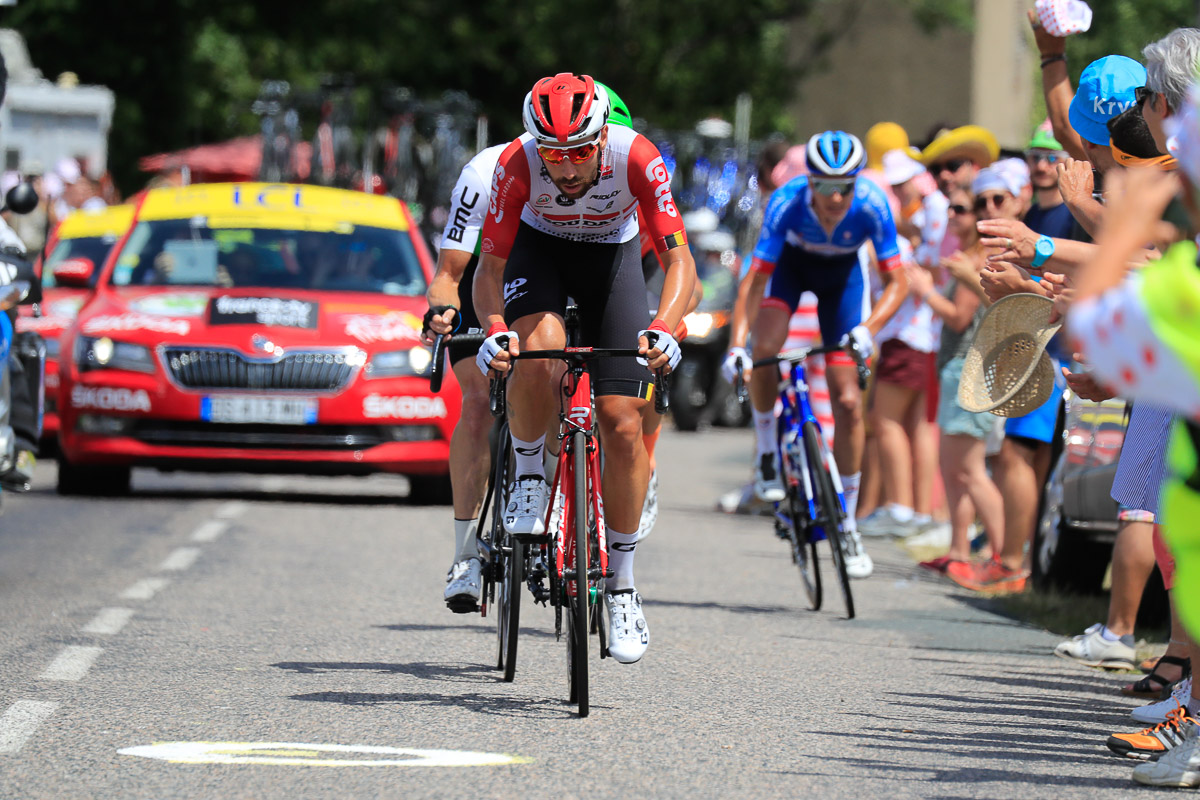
(768, 485)
(526, 509)
(628, 633)
(649, 507)
(858, 561)
(463, 586)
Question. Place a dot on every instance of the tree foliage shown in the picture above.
(186, 71)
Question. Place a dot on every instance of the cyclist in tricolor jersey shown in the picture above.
(812, 230)
(563, 222)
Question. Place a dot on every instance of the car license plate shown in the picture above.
(268, 410)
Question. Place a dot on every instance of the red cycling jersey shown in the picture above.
(632, 174)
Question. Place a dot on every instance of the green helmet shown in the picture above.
(619, 114)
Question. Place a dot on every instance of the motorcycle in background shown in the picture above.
(698, 394)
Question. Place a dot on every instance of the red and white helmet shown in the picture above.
(566, 110)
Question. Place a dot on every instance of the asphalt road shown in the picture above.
(244, 610)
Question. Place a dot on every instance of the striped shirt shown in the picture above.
(1141, 468)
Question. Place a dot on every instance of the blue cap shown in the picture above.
(1106, 88)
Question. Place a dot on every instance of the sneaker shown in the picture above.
(987, 577)
(882, 522)
(628, 634)
(462, 586)
(526, 506)
(767, 483)
(649, 507)
(1154, 713)
(936, 535)
(1091, 649)
(858, 562)
(1151, 743)
(1180, 767)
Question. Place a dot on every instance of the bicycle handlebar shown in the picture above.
(798, 355)
(437, 369)
(580, 356)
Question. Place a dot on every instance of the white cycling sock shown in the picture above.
(620, 559)
(464, 539)
(850, 491)
(764, 431)
(529, 456)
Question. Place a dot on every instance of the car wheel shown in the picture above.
(92, 481)
(430, 490)
(1064, 557)
(688, 396)
(729, 412)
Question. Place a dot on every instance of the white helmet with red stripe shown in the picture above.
(566, 110)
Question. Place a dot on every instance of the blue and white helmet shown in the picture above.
(835, 154)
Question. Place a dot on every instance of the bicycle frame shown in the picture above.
(797, 410)
(576, 416)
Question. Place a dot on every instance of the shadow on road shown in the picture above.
(499, 705)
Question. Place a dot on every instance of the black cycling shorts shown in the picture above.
(606, 283)
(466, 311)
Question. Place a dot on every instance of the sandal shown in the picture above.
(1154, 685)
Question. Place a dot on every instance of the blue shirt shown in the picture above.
(790, 220)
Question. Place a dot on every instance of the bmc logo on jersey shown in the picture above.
(656, 172)
(494, 205)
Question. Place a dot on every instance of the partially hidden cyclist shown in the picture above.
(452, 311)
(812, 230)
(563, 222)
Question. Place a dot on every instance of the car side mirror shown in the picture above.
(21, 199)
(75, 272)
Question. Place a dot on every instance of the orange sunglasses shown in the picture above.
(576, 155)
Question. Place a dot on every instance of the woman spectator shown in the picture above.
(969, 489)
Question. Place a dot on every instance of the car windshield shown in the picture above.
(201, 252)
(93, 248)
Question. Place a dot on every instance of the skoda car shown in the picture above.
(76, 251)
(256, 327)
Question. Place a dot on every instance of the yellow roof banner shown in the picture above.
(274, 205)
(110, 221)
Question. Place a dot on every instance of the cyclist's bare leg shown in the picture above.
(651, 427)
(770, 333)
(626, 474)
(849, 432)
(532, 403)
(470, 459)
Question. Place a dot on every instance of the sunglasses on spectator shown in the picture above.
(1141, 94)
(984, 200)
(576, 155)
(959, 208)
(952, 165)
(828, 188)
(1035, 157)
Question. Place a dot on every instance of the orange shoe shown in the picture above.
(987, 577)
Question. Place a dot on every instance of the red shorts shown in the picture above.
(901, 365)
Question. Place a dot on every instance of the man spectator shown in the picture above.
(1171, 65)
(954, 158)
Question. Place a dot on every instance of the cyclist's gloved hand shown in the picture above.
(659, 337)
(438, 320)
(729, 368)
(496, 343)
(861, 336)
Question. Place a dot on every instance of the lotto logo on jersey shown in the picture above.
(494, 205)
(656, 172)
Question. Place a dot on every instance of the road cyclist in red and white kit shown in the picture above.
(563, 223)
(812, 231)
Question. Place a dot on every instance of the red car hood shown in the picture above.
(60, 306)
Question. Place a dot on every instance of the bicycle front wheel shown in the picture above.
(804, 547)
(577, 620)
(510, 605)
(501, 554)
(829, 509)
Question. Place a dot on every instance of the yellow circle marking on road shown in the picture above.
(316, 755)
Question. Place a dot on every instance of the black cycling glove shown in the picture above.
(438, 311)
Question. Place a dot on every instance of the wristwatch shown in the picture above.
(1042, 251)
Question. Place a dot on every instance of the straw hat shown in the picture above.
(1007, 370)
(969, 141)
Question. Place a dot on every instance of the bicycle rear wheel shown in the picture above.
(577, 619)
(829, 509)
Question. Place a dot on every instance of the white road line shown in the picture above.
(72, 663)
(180, 559)
(145, 589)
(20, 721)
(109, 621)
(210, 531)
(231, 510)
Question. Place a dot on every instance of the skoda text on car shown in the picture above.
(75, 253)
(256, 327)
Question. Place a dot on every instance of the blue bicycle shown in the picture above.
(814, 507)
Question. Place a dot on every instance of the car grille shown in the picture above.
(307, 371)
(288, 437)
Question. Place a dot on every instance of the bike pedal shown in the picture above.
(462, 605)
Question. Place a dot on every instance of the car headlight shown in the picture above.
(101, 352)
(399, 363)
(701, 323)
